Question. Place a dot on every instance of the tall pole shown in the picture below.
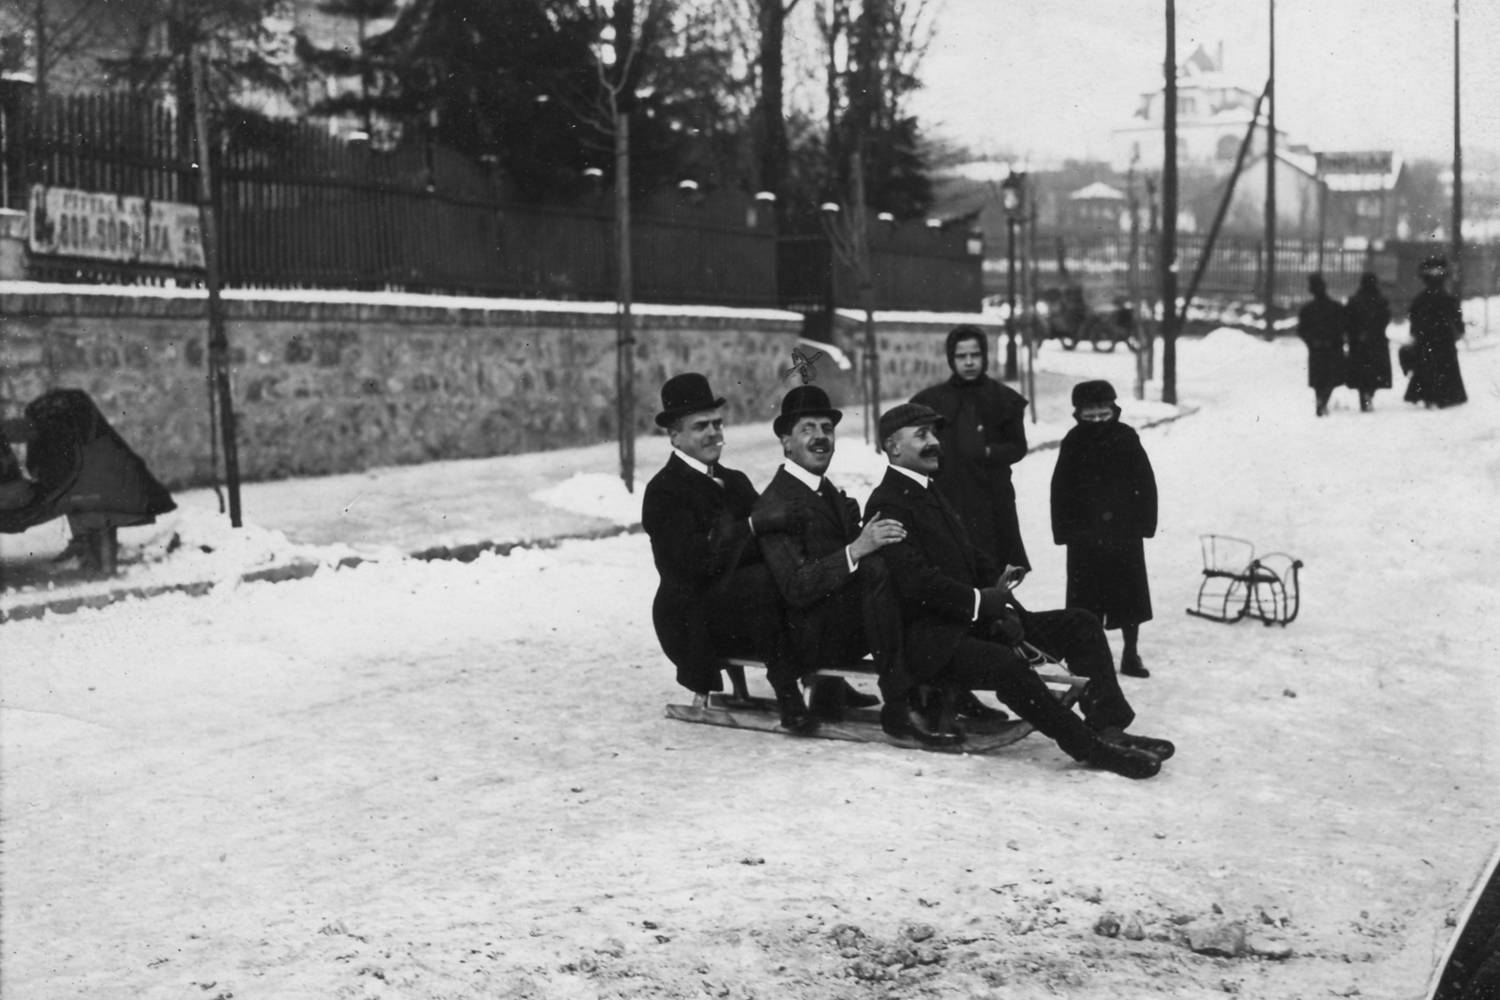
(624, 333)
(1458, 175)
(218, 340)
(1168, 261)
(1271, 183)
(1011, 374)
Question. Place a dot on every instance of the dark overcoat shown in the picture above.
(1366, 316)
(811, 570)
(935, 569)
(983, 435)
(1436, 324)
(715, 590)
(1104, 502)
(1320, 324)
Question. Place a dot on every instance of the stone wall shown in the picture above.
(353, 381)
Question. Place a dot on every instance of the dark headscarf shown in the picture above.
(968, 332)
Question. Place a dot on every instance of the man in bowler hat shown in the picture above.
(840, 601)
(962, 623)
(716, 597)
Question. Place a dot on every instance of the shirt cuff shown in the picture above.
(849, 558)
(976, 605)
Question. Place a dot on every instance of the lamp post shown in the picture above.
(1012, 197)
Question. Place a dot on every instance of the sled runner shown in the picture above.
(863, 725)
(1237, 584)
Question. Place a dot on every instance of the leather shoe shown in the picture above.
(1122, 760)
(969, 707)
(1131, 666)
(1158, 748)
(908, 724)
(795, 718)
(855, 698)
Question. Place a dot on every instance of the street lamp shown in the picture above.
(1012, 199)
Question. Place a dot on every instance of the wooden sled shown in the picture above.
(1238, 584)
(863, 725)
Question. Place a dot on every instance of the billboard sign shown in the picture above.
(68, 222)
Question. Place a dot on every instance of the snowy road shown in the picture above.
(454, 780)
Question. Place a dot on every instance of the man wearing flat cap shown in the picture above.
(840, 603)
(716, 597)
(962, 623)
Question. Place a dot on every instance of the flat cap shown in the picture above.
(907, 415)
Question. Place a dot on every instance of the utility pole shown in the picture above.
(218, 340)
(1271, 184)
(1458, 175)
(624, 289)
(1168, 261)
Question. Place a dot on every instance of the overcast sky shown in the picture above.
(1047, 78)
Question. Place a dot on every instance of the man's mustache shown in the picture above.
(931, 451)
(820, 444)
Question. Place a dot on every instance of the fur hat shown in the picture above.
(1093, 393)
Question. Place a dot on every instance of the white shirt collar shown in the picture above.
(804, 477)
(692, 462)
(915, 477)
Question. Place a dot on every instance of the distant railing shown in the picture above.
(1236, 268)
(299, 208)
(914, 266)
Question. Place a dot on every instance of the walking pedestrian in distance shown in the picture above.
(1320, 324)
(1437, 322)
(1366, 316)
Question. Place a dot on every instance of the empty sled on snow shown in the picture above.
(1239, 584)
(862, 725)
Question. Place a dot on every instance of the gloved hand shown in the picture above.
(993, 602)
(1007, 628)
(771, 516)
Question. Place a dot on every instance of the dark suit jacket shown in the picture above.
(812, 573)
(699, 537)
(936, 569)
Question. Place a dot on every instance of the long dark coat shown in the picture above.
(81, 467)
(811, 570)
(1104, 503)
(716, 596)
(1320, 324)
(936, 569)
(1366, 315)
(983, 435)
(1436, 324)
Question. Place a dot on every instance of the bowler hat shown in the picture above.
(907, 415)
(1092, 393)
(684, 394)
(804, 401)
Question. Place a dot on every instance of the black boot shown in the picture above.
(795, 718)
(1124, 761)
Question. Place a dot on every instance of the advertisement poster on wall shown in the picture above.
(68, 222)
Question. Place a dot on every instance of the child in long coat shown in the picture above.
(1103, 507)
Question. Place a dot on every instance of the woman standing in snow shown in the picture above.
(1436, 324)
(1103, 507)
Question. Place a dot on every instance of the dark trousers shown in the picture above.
(1070, 634)
(739, 616)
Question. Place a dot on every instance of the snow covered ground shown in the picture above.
(439, 779)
